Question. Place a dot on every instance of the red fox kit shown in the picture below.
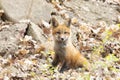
(65, 53)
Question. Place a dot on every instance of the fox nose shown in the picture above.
(62, 39)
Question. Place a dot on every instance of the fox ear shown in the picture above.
(54, 22)
(68, 22)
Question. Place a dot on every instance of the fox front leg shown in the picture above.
(64, 67)
(55, 61)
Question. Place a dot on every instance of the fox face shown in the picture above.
(61, 33)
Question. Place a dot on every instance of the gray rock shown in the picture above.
(26, 9)
(10, 36)
(36, 32)
(92, 11)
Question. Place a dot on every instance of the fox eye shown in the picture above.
(65, 32)
(57, 32)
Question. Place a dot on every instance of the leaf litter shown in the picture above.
(99, 43)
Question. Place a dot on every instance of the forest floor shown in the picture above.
(96, 36)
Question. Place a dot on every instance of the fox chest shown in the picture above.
(60, 51)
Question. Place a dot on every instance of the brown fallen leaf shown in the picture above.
(1, 12)
(38, 50)
(23, 51)
(58, 7)
(116, 34)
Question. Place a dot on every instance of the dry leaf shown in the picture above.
(1, 12)
(38, 50)
(23, 52)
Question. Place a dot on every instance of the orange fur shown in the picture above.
(65, 52)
